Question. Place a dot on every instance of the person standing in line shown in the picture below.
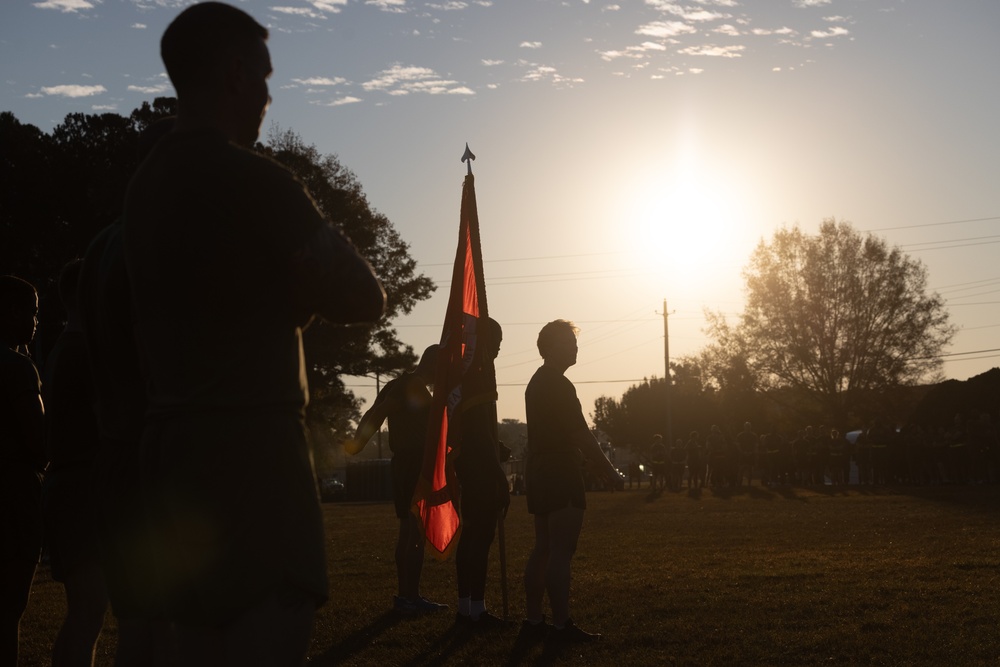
(22, 459)
(229, 259)
(558, 443)
(485, 490)
(406, 403)
(69, 507)
(658, 463)
(104, 300)
(695, 461)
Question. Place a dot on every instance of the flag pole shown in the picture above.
(467, 158)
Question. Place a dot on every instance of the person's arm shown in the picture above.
(332, 280)
(585, 441)
(369, 425)
(30, 420)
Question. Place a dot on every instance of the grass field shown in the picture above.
(907, 576)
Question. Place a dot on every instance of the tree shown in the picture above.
(641, 411)
(57, 191)
(839, 318)
(332, 351)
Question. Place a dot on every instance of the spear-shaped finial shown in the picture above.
(468, 157)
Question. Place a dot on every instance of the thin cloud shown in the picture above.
(150, 90)
(714, 51)
(835, 31)
(802, 4)
(320, 81)
(685, 13)
(328, 6)
(340, 102)
(391, 6)
(635, 52)
(138, 26)
(728, 30)
(547, 73)
(74, 91)
(449, 6)
(491, 63)
(65, 6)
(104, 107)
(663, 29)
(773, 31)
(305, 12)
(403, 80)
(530, 45)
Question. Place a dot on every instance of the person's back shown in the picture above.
(211, 271)
(228, 258)
(405, 403)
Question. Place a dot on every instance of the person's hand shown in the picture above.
(613, 478)
(352, 446)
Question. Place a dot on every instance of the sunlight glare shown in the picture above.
(681, 225)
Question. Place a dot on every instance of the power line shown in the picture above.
(933, 224)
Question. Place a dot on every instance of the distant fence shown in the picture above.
(369, 480)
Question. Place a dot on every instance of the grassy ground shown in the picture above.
(750, 577)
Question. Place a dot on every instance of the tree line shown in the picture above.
(839, 328)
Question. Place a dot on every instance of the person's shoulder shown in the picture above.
(400, 384)
(19, 370)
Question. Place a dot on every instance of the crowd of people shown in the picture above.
(966, 452)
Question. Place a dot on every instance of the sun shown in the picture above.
(680, 225)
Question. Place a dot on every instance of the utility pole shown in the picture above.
(666, 374)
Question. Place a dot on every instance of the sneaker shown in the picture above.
(403, 606)
(535, 631)
(420, 605)
(571, 634)
(488, 621)
(425, 606)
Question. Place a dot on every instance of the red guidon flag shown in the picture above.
(435, 499)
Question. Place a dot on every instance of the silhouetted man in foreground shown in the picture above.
(229, 259)
(558, 442)
(406, 403)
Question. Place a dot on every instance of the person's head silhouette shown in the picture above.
(216, 56)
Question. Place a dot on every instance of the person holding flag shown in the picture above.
(558, 442)
(482, 480)
(406, 403)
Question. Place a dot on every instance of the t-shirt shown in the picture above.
(210, 233)
(228, 257)
(553, 467)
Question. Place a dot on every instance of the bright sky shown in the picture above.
(628, 152)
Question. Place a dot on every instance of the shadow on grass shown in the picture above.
(443, 649)
(358, 641)
(525, 645)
